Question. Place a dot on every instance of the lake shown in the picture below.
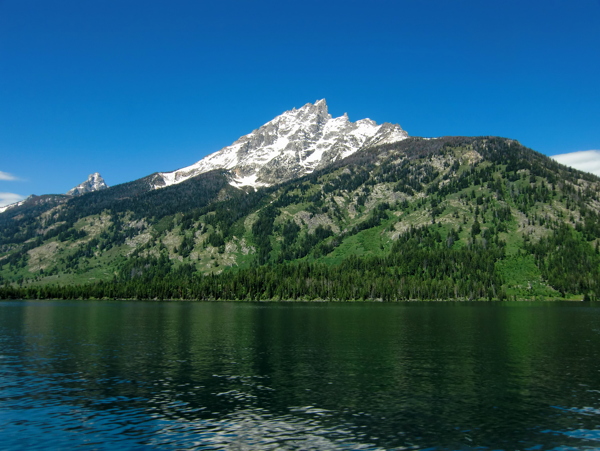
(186, 375)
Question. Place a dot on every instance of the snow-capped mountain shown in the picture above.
(293, 144)
(94, 182)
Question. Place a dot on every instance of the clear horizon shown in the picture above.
(130, 88)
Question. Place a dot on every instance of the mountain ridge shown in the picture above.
(416, 218)
(94, 182)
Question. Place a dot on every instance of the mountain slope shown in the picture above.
(452, 217)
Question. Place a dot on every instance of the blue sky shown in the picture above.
(127, 88)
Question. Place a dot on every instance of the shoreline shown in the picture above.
(307, 301)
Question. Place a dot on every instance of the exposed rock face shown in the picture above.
(94, 182)
(291, 145)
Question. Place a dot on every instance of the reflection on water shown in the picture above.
(299, 376)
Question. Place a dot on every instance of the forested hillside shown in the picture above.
(446, 218)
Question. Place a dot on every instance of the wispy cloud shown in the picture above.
(7, 176)
(9, 198)
(585, 160)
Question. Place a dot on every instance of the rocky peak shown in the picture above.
(317, 112)
(94, 182)
(293, 144)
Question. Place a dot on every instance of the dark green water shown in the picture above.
(133, 375)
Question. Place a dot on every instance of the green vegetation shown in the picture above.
(448, 218)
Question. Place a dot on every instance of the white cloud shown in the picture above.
(585, 160)
(9, 198)
(7, 176)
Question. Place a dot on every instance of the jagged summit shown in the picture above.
(94, 182)
(293, 144)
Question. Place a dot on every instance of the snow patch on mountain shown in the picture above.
(293, 144)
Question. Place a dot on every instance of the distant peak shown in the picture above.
(94, 182)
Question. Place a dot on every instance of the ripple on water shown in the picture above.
(223, 376)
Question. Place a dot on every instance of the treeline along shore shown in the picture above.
(420, 266)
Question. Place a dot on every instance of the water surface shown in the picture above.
(144, 375)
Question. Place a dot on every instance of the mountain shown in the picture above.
(293, 144)
(94, 182)
(381, 217)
